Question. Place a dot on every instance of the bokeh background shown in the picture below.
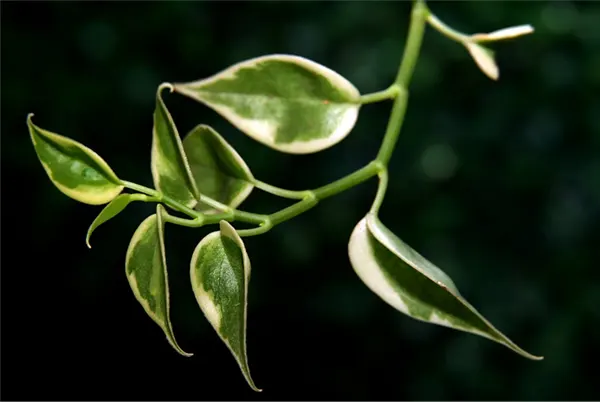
(498, 183)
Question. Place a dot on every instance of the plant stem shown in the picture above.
(386, 94)
(280, 192)
(446, 30)
(309, 198)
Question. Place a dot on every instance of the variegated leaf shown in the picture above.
(111, 210)
(74, 169)
(218, 170)
(286, 102)
(146, 269)
(411, 284)
(220, 272)
(170, 168)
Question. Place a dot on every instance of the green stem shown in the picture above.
(386, 94)
(381, 189)
(280, 192)
(409, 60)
(446, 30)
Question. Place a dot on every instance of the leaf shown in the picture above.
(146, 270)
(505, 33)
(113, 209)
(484, 58)
(218, 170)
(75, 170)
(286, 102)
(220, 272)
(170, 168)
(412, 285)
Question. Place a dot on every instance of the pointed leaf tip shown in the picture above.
(288, 103)
(505, 33)
(219, 273)
(146, 270)
(170, 168)
(73, 168)
(484, 58)
(413, 285)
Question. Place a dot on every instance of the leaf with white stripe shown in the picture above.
(220, 272)
(218, 170)
(73, 168)
(286, 102)
(146, 269)
(414, 286)
(170, 168)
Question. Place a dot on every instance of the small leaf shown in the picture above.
(484, 58)
(218, 170)
(220, 272)
(146, 270)
(414, 286)
(111, 210)
(288, 103)
(75, 170)
(506, 33)
(170, 168)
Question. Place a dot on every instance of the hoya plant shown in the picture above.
(292, 105)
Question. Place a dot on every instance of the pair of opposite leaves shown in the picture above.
(205, 164)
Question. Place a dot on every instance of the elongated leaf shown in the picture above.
(75, 170)
(170, 168)
(220, 272)
(288, 103)
(484, 58)
(218, 170)
(505, 33)
(111, 210)
(146, 269)
(411, 284)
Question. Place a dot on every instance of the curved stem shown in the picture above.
(446, 30)
(381, 189)
(386, 94)
(280, 192)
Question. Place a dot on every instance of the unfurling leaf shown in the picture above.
(146, 270)
(218, 170)
(75, 170)
(505, 33)
(220, 272)
(113, 209)
(170, 168)
(484, 58)
(413, 285)
(288, 103)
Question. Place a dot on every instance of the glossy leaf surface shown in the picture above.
(115, 207)
(218, 170)
(146, 270)
(413, 285)
(288, 103)
(170, 168)
(75, 170)
(220, 272)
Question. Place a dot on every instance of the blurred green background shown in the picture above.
(498, 183)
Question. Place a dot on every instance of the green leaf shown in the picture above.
(113, 209)
(75, 170)
(484, 58)
(220, 272)
(411, 284)
(146, 270)
(218, 170)
(170, 168)
(288, 103)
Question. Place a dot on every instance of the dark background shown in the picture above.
(498, 183)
